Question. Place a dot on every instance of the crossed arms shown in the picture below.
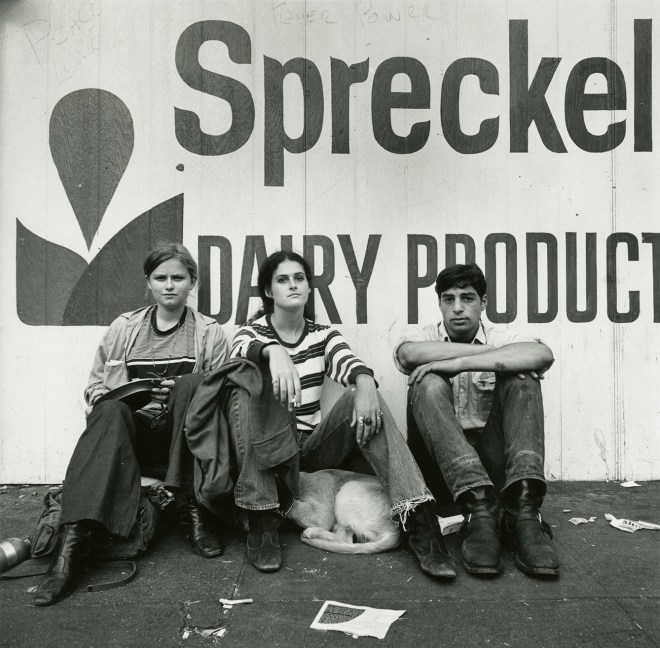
(451, 358)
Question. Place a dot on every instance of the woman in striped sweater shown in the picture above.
(358, 433)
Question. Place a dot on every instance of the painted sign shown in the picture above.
(383, 140)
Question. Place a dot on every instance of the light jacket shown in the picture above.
(110, 370)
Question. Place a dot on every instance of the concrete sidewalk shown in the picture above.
(607, 594)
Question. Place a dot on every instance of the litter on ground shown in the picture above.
(631, 525)
(355, 620)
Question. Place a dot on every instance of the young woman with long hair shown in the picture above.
(358, 433)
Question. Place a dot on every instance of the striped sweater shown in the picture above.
(321, 351)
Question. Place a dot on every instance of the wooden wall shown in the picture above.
(383, 140)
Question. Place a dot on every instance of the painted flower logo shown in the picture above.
(91, 141)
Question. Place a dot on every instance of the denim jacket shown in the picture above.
(110, 371)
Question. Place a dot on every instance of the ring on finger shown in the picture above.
(361, 420)
(368, 422)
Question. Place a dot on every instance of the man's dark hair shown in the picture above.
(460, 276)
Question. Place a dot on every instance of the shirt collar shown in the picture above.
(479, 338)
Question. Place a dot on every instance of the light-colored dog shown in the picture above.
(344, 512)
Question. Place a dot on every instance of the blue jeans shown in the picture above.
(509, 448)
(331, 445)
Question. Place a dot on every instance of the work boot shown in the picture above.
(425, 539)
(480, 551)
(263, 542)
(202, 540)
(69, 561)
(523, 526)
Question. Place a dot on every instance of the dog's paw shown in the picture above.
(309, 533)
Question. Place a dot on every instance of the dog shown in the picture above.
(344, 512)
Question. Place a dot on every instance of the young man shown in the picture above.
(475, 398)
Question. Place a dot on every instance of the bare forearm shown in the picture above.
(512, 358)
(414, 354)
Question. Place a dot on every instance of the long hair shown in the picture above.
(165, 252)
(266, 272)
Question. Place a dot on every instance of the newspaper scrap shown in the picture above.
(450, 524)
(630, 484)
(355, 620)
(631, 525)
(579, 520)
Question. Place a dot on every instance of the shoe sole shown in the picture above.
(483, 571)
(547, 572)
(448, 576)
(266, 570)
(208, 554)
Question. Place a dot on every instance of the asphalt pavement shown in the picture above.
(607, 594)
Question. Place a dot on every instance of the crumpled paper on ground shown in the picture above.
(631, 525)
(579, 520)
(356, 620)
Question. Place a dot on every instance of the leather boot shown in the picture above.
(263, 542)
(69, 561)
(480, 551)
(425, 539)
(202, 540)
(523, 526)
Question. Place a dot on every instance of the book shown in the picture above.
(136, 394)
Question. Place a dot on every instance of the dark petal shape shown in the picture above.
(114, 281)
(46, 274)
(91, 141)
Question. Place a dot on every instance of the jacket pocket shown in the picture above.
(114, 374)
(484, 389)
(484, 381)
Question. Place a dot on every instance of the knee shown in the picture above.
(512, 385)
(187, 384)
(109, 409)
(431, 387)
(190, 381)
(342, 408)
(345, 401)
(110, 415)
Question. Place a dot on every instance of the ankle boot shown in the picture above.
(524, 528)
(480, 551)
(69, 561)
(202, 540)
(263, 542)
(425, 539)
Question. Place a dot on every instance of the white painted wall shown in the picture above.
(602, 411)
